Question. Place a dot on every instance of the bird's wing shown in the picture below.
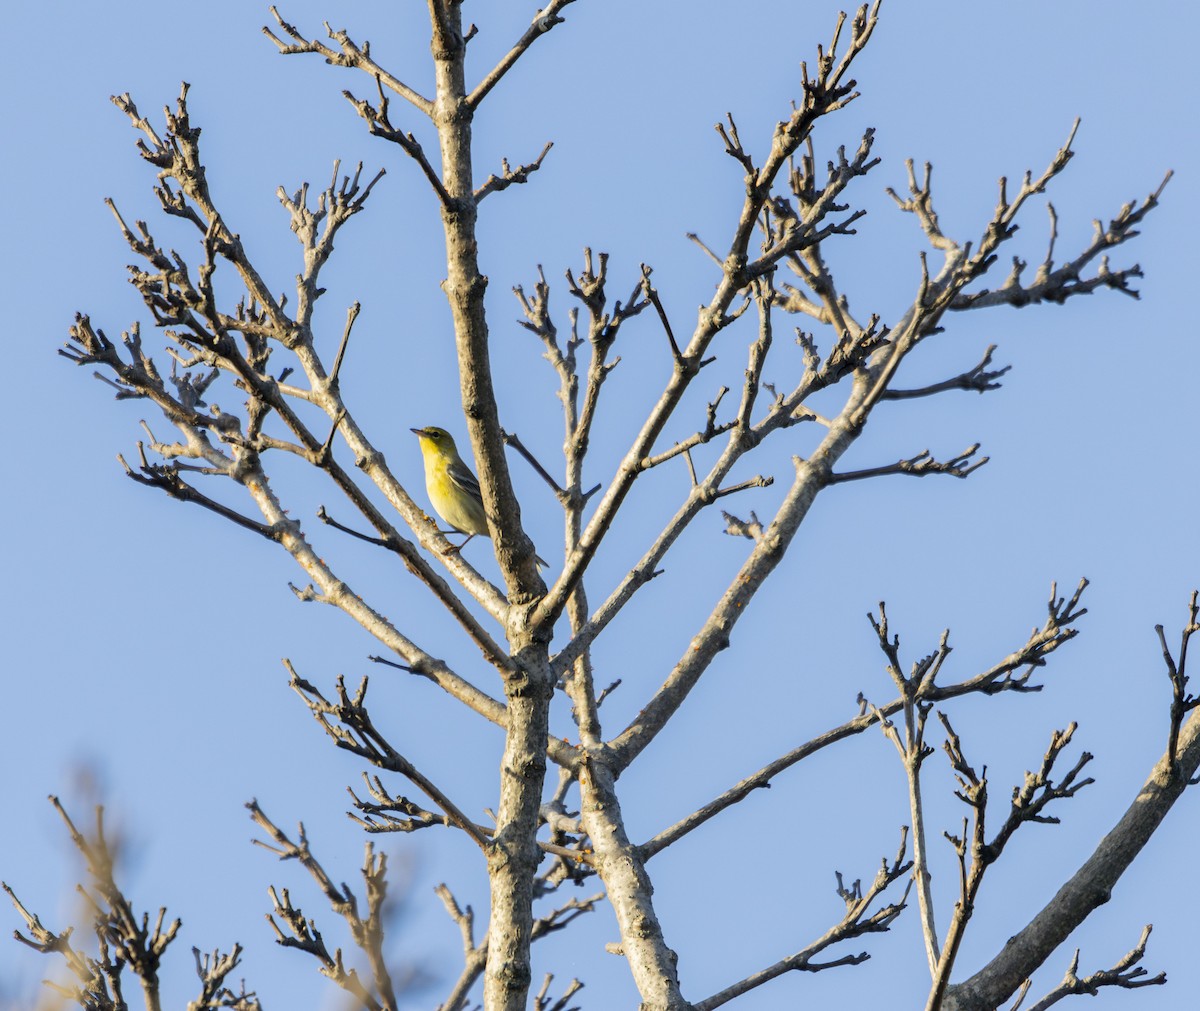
(461, 475)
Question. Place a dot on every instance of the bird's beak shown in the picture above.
(417, 431)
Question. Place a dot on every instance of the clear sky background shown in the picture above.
(142, 638)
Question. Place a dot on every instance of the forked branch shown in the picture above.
(368, 932)
(1089, 886)
(349, 54)
(1012, 673)
(860, 919)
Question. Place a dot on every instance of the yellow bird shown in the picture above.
(453, 490)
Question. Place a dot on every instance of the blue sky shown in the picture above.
(143, 637)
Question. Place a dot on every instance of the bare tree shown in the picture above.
(565, 826)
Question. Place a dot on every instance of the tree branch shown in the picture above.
(858, 921)
(823, 94)
(1001, 677)
(511, 176)
(978, 379)
(1027, 805)
(381, 126)
(543, 21)
(1089, 887)
(1126, 974)
(351, 55)
(125, 939)
(1181, 701)
(358, 735)
(921, 465)
(368, 933)
(1057, 285)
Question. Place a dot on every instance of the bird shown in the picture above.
(453, 490)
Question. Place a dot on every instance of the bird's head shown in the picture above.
(434, 437)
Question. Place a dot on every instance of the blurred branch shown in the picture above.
(125, 940)
(213, 969)
(474, 956)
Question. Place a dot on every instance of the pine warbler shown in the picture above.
(453, 490)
